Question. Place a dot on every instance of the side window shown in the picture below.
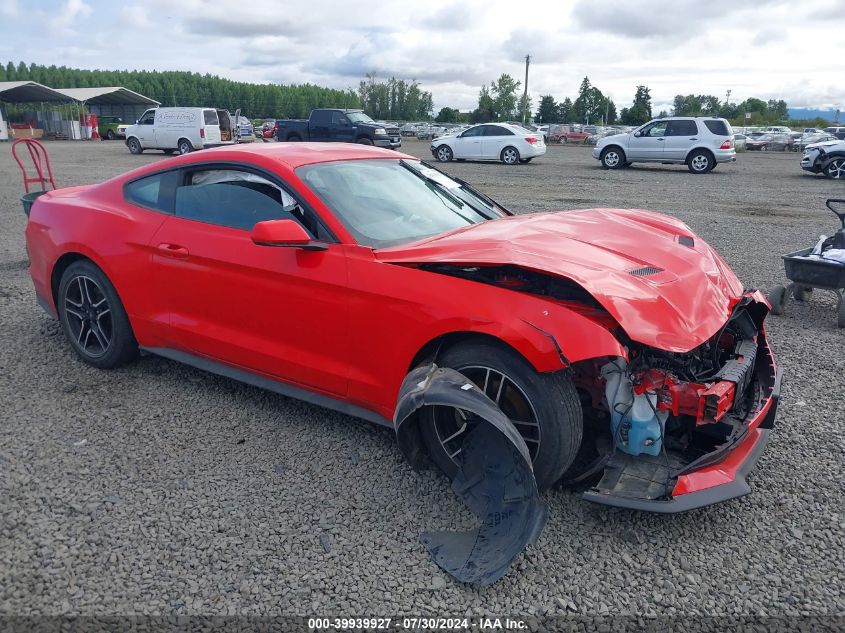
(148, 118)
(681, 128)
(322, 117)
(497, 130)
(210, 117)
(658, 128)
(475, 131)
(239, 199)
(153, 192)
(339, 118)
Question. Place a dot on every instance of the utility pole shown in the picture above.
(525, 92)
(728, 97)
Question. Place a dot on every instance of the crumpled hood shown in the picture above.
(662, 292)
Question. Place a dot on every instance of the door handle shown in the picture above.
(173, 250)
(661, 139)
(694, 138)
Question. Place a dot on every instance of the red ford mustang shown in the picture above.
(620, 346)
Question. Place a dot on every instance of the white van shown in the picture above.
(180, 130)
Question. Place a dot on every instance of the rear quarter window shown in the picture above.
(153, 192)
(211, 117)
(719, 128)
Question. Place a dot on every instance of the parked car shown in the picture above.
(739, 142)
(778, 129)
(111, 127)
(812, 139)
(770, 143)
(826, 158)
(837, 131)
(348, 270)
(565, 134)
(180, 130)
(510, 144)
(595, 138)
(245, 130)
(341, 126)
(698, 142)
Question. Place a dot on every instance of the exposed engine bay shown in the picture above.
(658, 414)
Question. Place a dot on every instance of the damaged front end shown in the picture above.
(495, 480)
(677, 431)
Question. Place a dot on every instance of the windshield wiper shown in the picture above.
(481, 196)
(441, 188)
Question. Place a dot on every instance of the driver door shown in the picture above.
(277, 311)
(468, 144)
(648, 142)
(146, 129)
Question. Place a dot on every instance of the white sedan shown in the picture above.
(510, 144)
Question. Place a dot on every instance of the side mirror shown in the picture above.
(283, 233)
(637, 134)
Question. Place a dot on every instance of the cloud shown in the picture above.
(769, 35)
(543, 46)
(62, 22)
(236, 24)
(453, 17)
(10, 8)
(651, 19)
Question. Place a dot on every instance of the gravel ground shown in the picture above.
(158, 489)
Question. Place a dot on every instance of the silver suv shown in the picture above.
(698, 142)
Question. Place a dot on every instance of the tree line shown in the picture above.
(180, 88)
(499, 102)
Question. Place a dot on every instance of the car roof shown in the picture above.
(294, 154)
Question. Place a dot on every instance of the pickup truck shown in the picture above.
(339, 126)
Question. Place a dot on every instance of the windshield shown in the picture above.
(359, 117)
(387, 202)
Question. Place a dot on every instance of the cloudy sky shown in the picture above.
(785, 49)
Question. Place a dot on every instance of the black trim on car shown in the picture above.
(263, 382)
(181, 170)
(692, 500)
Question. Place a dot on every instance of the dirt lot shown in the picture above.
(160, 489)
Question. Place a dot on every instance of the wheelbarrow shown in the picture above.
(43, 172)
(807, 274)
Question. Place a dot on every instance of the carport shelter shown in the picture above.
(112, 101)
(30, 92)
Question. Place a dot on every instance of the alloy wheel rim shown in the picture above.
(510, 156)
(88, 316)
(184, 148)
(837, 169)
(451, 425)
(611, 159)
(700, 163)
(443, 154)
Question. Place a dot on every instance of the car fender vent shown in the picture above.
(686, 240)
(645, 271)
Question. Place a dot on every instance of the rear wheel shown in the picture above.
(444, 154)
(543, 407)
(93, 318)
(509, 156)
(835, 169)
(700, 162)
(134, 146)
(110, 135)
(185, 146)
